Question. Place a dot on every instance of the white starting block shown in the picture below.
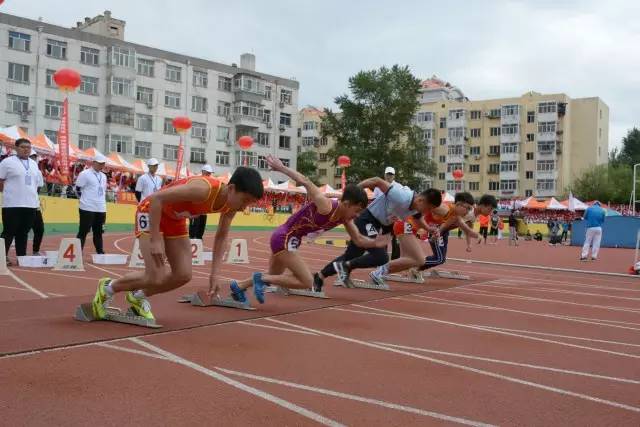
(34, 261)
(196, 252)
(109, 259)
(409, 278)
(3, 259)
(238, 252)
(443, 274)
(70, 255)
(207, 256)
(361, 284)
(201, 299)
(136, 256)
(298, 292)
(84, 313)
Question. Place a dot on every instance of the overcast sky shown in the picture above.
(487, 48)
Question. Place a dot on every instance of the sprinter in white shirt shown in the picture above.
(91, 185)
(148, 183)
(19, 185)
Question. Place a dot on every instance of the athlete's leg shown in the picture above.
(153, 274)
(411, 254)
(301, 277)
(178, 252)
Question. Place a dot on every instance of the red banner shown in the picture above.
(63, 142)
(179, 161)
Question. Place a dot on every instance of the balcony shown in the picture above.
(552, 174)
(545, 192)
(509, 175)
(510, 157)
(507, 138)
(457, 123)
(548, 117)
(456, 140)
(455, 158)
(511, 119)
(508, 193)
(425, 125)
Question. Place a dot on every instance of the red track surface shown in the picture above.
(512, 346)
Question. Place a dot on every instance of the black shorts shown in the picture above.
(493, 231)
(483, 232)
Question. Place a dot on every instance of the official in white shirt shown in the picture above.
(148, 183)
(19, 180)
(199, 224)
(38, 222)
(92, 187)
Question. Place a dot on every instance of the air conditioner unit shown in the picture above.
(282, 128)
(269, 125)
(281, 104)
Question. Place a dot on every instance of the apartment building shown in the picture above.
(311, 139)
(130, 93)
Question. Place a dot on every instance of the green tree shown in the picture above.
(630, 152)
(375, 127)
(607, 183)
(307, 165)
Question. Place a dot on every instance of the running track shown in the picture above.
(512, 346)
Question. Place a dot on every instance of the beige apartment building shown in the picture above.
(310, 138)
(531, 145)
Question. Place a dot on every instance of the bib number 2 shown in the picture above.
(143, 221)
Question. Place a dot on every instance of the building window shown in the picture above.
(474, 151)
(456, 133)
(494, 150)
(169, 152)
(454, 186)
(443, 122)
(56, 49)
(509, 130)
(144, 122)
(546, 147)
(508, 185)
(424, 117)
(122, 87)
(119, 115)
(286, 162)
(18, 73)
(456, 114)
(453, 166)
(322, 157)
(494, 113)
(545, 185)
(307, 141)
(248, 109)
(266, 117)
(531, 116)
(262, 163)
(222, 158)
(52, 135)
(547, 107)
(263, 139)
(89, 56)
(53, 109)
(286, 96)
(224, 84)
(324, 141)
(322, 172)
(17, 104)
(510, 110)
(442, 159)
(172, 99)
(89, 85)
(531, 137)
(197, 155)
(508, 166)
(222, 133)
(199, 104)
(88, 114)
(427, 135)
(308, 125)
(123, 57)
(455, 150)
(284, 142)
(476, 114)
(285, 119)
(494, 168)
(475, 133)
(146, 67)
(48, 78)
(246, 158)
(87, 141)
(200, 78)
(143, 149)
(600, 133)
(443, 141)
(19, 41)
(494, 185)
(494, 131)
(474, 168)
(144, 95)
(510, 148)
(173, 73)
(529, 174)
(168, 127)
(441, 176)
(224, 109)
(119, 144)
(474, 186)
(199, 130)
(545, 165)
(530, 156)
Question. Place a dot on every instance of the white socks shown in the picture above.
(139, 294)
(108, 290)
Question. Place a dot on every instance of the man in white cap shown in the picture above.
(390, 177)
(91, 185)
(148, 183)
(38, 222)
(198, 225)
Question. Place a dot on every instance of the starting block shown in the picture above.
(196, 252)
(298, 292)
(84, 313)
(443, 274)
(201, 299)
(405, 279)
(136, 260)
(361, 284)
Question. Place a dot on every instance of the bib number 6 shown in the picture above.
(143, 221)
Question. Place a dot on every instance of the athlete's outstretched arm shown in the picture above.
(224, 224)
(322, 203)
(374, 182)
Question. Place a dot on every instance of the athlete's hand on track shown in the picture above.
(157, 252)
(214, 288)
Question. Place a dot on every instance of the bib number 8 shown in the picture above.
(143, 222)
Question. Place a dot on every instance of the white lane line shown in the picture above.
(558, 291)
(510, 363)
(55, 295)
(355, 397)
(50, 273)
(463, 325)
(467, 368)
(113, 273)
(296, 331)
(26, 285)
(131, 350)
(248, 389)
(13, 288)
(546, 282)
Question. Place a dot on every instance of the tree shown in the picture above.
(630, 152)
(375, 127)
(307, 165)
(607, 183)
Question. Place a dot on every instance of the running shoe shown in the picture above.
(140, 306)
(236, 293)
(318, 283)
(101, 300)
(416, 274)
(376, 278)
(258, 287)
(382, 271)
(342, 270)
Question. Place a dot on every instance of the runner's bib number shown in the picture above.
(143, 221)
(408, 228)
(293, 244)
(371, 230)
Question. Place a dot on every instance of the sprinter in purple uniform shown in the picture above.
(318, 215)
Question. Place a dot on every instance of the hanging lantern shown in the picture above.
(67, 79)
(245, 142)
(182, 124)
(458, 174)
(344, 161)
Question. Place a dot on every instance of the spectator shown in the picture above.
(484, 228)
(198, 225)
(537, 236)
(38, 223)
(594, 216)
(513, 229)
(92, 187)
(565, 231)
(19, 179)
(148, 183)
(493, 232)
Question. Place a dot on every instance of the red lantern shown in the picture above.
(182, 124)
(458, 174)
(344, 161)
(67, 79)
(245, 142)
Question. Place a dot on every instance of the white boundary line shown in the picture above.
(501, 284)
(26, 285)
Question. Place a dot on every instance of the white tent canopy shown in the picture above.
(555, 205)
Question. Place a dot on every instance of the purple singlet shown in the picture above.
(307, 220)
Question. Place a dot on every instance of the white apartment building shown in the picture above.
(130, 93)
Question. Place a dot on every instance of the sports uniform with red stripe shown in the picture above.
(438, 246)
